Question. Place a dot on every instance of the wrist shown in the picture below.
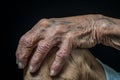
(105, 28)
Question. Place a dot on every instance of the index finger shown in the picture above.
(28, 41)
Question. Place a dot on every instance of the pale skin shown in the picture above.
(67, 33)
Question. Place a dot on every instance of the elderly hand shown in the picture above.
(67, 33)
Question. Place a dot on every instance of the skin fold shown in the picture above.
(81, 65)
(67, 33)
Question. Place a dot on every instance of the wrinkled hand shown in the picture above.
(65, 33)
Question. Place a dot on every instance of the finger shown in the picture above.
(61, 57)
(43, 48)
(26, 45)
(28, 42)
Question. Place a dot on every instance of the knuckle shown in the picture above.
(42, 45)
(59, 29)
(62, 54)
(26, 41)
(69, 36)
(44, 21)
(23, 58)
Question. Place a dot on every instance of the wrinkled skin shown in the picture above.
(67, 33)
(81, 65)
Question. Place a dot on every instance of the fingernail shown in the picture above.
(52, 73)
(20, 65)
(31, 69)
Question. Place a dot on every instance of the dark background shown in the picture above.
(23, 14)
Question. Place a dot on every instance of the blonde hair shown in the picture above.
(80, 65)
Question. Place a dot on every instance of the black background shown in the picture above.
(23, 14)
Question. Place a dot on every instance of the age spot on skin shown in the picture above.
(43, 30)
(79, 27)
